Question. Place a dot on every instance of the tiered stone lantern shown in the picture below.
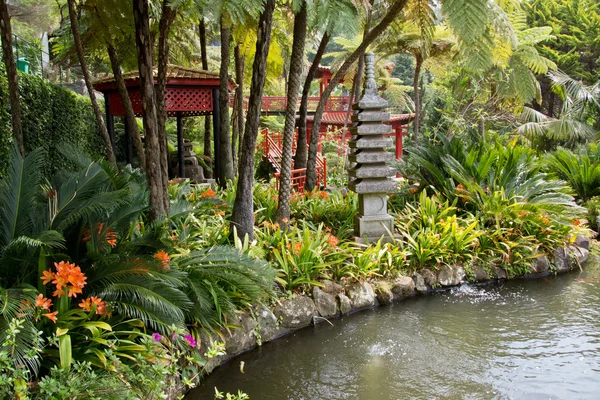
(192, 168)
(370, 176)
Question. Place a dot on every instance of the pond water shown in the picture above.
(526, 339)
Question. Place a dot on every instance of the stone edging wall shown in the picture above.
(332, 300)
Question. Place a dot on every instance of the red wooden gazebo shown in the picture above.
(189, 93)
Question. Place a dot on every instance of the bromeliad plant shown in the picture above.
(303, 256)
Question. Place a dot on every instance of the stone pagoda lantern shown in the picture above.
(370, 176)
(192, 168)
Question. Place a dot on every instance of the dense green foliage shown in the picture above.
(52, 117)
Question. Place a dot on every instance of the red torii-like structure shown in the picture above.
(189, 92)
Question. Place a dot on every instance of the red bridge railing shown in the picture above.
(279, 103)
(272, 151)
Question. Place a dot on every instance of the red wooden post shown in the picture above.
(398, 142)
(324, 172)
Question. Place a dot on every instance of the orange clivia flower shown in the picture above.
(285, 220)
(297, 247)
(208, 193)
(220, 213)
(47, 277)
(164, 258)
(68, 279)
(576, 222)
(51, 316)
(332, 240)
(90, 302)
(323, 195)
(546, 221)
(43, 302)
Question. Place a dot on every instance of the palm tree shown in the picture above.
(334, 15)
(207, 130)
(145, 62)
(422, 41)
(225, 151)
(88, 81)
(168, 14)
(11, 71)
(296, 64)
(242, 218)
(579, 101)
(114, 36)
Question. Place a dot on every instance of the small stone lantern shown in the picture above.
(192, 168)
(370, 176)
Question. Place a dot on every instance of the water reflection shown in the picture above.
(536, 339)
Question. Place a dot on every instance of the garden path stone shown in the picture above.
(331, 287)
(361, 295)
(242, 338)
(267, 324)
(405, 286)
(429, 277)
(384, 293)
(448, 276)
(583, 241)
(324, 302)
(345, 303)
(295, 313)
(419, 282)
(480, 273)
(499, 273)
(540, 264)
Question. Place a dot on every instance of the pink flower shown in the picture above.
(156, 336)
(190, 339)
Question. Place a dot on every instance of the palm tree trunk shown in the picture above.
(242, 217)
(11, 72)
(301, 146)
(164, 27)
(129, 114)
(225, 155)
(207, 139)
(238, 105)
(145, 58)
(417, 95)
(311, 167)
(88, 82)
(296, 63)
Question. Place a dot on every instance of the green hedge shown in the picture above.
(51, 115)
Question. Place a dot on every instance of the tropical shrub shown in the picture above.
(380, 260)
(302, 255)
(334, 210)
(581, 171)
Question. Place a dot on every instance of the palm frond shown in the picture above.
(18, 192)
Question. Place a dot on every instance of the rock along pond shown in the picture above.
(525, 339)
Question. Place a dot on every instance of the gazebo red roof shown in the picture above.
(189, 91)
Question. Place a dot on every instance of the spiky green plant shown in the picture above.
(220, 280)
(581, 171)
